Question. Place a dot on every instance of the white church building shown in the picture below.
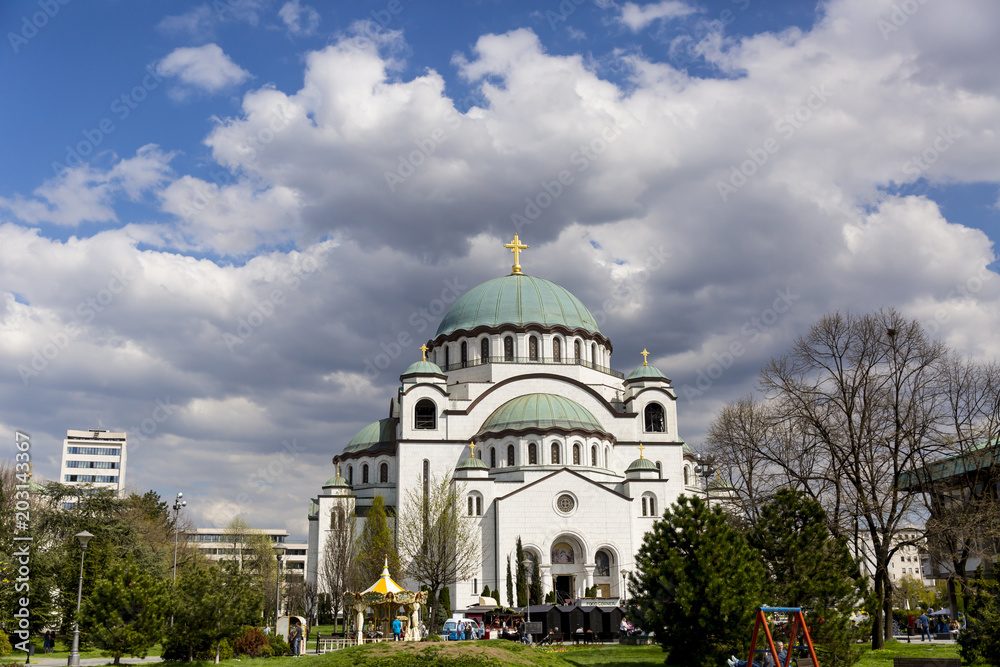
(517, 403)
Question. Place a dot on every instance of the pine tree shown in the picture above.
(980, 641)
(126, 611)
(445, 599)
(807, 567)
(510, 585)
(375, 544)
(522, 576)
(697, 585)
(535, 590)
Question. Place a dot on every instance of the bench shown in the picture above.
(926, 662)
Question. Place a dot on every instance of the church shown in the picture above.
(516, 402)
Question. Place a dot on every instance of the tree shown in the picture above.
(338, 573)
(375, 545)
(535, 589)
(445, 600)
(126, 611)
(697, 585)
(808, 567)
(522, 577)
(441, 546)
(980, 641)
(252, 555)
(510, 585)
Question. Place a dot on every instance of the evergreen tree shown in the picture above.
(445, 599)
(980, 641)
(510, 585)
(126, 611)
(375, 544)
(535, 590)
(522, 575)
(697, 585)
(807, 567)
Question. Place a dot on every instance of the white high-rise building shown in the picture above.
(94, 458)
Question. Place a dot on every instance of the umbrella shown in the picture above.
(942, 612)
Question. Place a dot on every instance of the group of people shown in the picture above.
(768, 658)
(925, 624)
(626, 629)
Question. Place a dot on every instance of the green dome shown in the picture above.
(541, 412)
(382, 432)
(472, 463)
(424, 367)
(641, 464)
(335, 481)
(517, 299)
(645, 371)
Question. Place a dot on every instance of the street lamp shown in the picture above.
(178, 504)
(625, 574)
(705, 468)
(279, 551)
(74, 654)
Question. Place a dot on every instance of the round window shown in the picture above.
(565, 503)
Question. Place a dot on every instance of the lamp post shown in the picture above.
(279, 551)
(178, 504)
(705, 468)
(624, 584)
(74, 654)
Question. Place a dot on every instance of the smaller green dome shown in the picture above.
(423, 368)
(382, 432)
(719, 484)
(686, 449)
(472, 463)
(336, 481)
(645, 371)
(641, 464)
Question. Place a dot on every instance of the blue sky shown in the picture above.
(355, 156)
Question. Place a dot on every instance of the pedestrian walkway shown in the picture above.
(42, 661)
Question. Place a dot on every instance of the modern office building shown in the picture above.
(94, 458)
(222, 544)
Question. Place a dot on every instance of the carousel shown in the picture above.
(387, 601)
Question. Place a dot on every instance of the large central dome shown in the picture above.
(517, 299)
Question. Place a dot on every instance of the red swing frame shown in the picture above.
(797, 618)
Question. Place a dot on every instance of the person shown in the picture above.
(923, 625)
(578, 635)
(295, 638)
(49, 642)
(768, 658)
(397, 630)
(953, 628)
(623, 628)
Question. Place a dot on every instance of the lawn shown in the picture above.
(896, 649)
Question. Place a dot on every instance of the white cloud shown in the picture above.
(637, 17)
(204, 68)
(299, 19)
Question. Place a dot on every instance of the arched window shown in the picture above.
(532, 454)
(447, 356)
(576, 350)
(654, 418)
(593, 455)
(687, 476)
(532, 348)
(493, 458)
(593, 353)
(555, 452)
(576, 454)
(508, 348)
(644, 506)
(425, 415)
(383, 473)
(556, 350)
(364, 474)
(484, 350)
(602, 564)
(510, 455)
(471, 504)
(465, 354)
(475, 504)
(350, 475)
(652, 506)
(479, 505)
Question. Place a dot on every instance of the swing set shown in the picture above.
(797, 620)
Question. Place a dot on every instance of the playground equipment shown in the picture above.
(797, 618)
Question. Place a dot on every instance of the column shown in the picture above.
(360, 625)
(547, 584)
(589, 574)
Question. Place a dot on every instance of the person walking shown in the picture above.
(923, 625)
(397, 630)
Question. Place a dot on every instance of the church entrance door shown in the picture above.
(564, 588)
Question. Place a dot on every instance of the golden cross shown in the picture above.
(31, 469)
(516, 247)
(424, 348)
(338, 470)
(640, 450)
(645, 361)
(472, 449)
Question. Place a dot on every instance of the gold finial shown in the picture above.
(516, 247)
(640, 450)
(645, 361)
(424, 348)
(338, 470)
(472, 449)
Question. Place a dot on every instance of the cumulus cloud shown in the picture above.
(299, 19)
(637, 17)
(204, 68)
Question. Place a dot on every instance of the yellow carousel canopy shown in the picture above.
(385, 584)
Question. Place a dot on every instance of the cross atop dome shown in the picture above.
(424, 348)
(516, 247)
(640, 450)
(645, 360)
(472, 449)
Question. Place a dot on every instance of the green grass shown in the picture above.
(897, 649)
(62, 649)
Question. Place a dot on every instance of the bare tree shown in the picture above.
(337, 573)
(438, 542)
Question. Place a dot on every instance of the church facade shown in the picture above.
(516, 402)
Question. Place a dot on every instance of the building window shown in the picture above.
(648, 501)
(471, 505)
(465, 354)
(532, 454)
(508, 348)
(593, 456)
(350, 475)
(555, 452)
(644, 506)
(484, 349)
(493, 458)
(576, 350)
(607, 457)
(593, 353)
(383, 473)
(364, 474)
(479, 506)
(475, 504)
(510, 455)
(447, 355)
(532, 348)
(602, 564)
(425, 415)
(576, 454)
(687, 476)
(654, 418)
(556, 350)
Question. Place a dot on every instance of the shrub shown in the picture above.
(432, 638)
(251, 643)
(980, 641)
(279, 646)
(5, 647)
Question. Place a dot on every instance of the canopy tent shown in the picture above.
(385, 598)
(941, 612)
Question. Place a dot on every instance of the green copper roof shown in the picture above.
(336, 480)
(541, 412)
(313, 507)
(641, 464)
(517, 299)
(426, 367)
(686, 449)
(645, 371)
(381, 432)
(472, 463)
